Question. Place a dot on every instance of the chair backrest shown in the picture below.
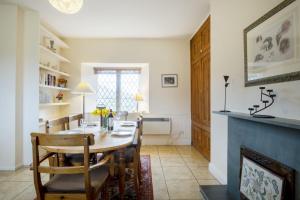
(60, 124)
(76, 118)
(40, 139)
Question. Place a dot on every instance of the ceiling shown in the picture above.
(125, 18)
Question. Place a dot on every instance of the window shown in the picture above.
(116, 88)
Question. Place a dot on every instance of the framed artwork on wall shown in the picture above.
(169, 80)
(272, 46)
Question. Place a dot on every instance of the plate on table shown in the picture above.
(121, 133)
(127, 125)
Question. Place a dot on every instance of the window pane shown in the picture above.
(129, 87)
(106, 90)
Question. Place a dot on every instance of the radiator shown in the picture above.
(156, 126)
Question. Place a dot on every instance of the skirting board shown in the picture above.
(217, 174)
(164, 140)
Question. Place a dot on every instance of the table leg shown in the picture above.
(122, 173)
(61, 159)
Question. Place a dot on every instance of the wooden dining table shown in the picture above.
(105, 141)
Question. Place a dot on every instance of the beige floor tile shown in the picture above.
(184, 147)
(169, 153)
(4, 176)
(202, 173)
(149, 147)
(177, 173)
(149, 152)
(172, 161)
(160, 190)
(191, 152)
(166, 147)
(184, 189)
(155, 161)
(27, 194)
(208, 182)
(23, 174)
(166, 155)
(10, 189)
(195, 162)
(157, 173)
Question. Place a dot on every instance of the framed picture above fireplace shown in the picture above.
(264, 178)
(272, 46)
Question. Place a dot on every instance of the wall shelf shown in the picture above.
(56, 55)
(55, 71)
(54, 104)
(53, 37)
(54, 87)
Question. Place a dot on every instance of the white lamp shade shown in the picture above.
(83, 88)
(67, 6)
(138, 97)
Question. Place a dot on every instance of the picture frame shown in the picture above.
(272, 46)
(169, 80)
(281, 175)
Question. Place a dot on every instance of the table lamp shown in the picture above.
(138, 97)
(83, 88)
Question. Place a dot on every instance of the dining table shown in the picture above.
(123, 135)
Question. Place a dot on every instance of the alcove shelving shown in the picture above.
(54, 76)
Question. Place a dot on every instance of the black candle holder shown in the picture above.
(267, 103)
(226, 86)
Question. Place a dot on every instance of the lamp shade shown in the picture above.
(138, 97)
(67, 6)
(83, 88)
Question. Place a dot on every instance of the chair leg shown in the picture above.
(140, 171)
(136, 181)
(105, 193)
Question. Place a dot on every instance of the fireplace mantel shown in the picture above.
(277, 121)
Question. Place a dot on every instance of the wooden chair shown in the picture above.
(77, 159)
(60, 124)
(76, 118)
(52, 126)
(132, 157)
(76, 182)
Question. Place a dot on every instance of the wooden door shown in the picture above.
(200, 89)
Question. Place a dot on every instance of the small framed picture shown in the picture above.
(169, 80)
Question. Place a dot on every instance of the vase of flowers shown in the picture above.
(103, 114)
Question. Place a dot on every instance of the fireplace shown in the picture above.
(264, 178)
(272, 144)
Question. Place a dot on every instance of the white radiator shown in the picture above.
(156, 126)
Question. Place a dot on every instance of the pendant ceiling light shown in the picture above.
(67, 6)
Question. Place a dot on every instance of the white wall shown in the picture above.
(163, 55)
(228, 19)
(8, 59)
(19, 84)
(30, 83)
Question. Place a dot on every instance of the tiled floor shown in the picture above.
(177, 172)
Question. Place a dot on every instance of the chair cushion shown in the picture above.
(129, 154)
(74, 183)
